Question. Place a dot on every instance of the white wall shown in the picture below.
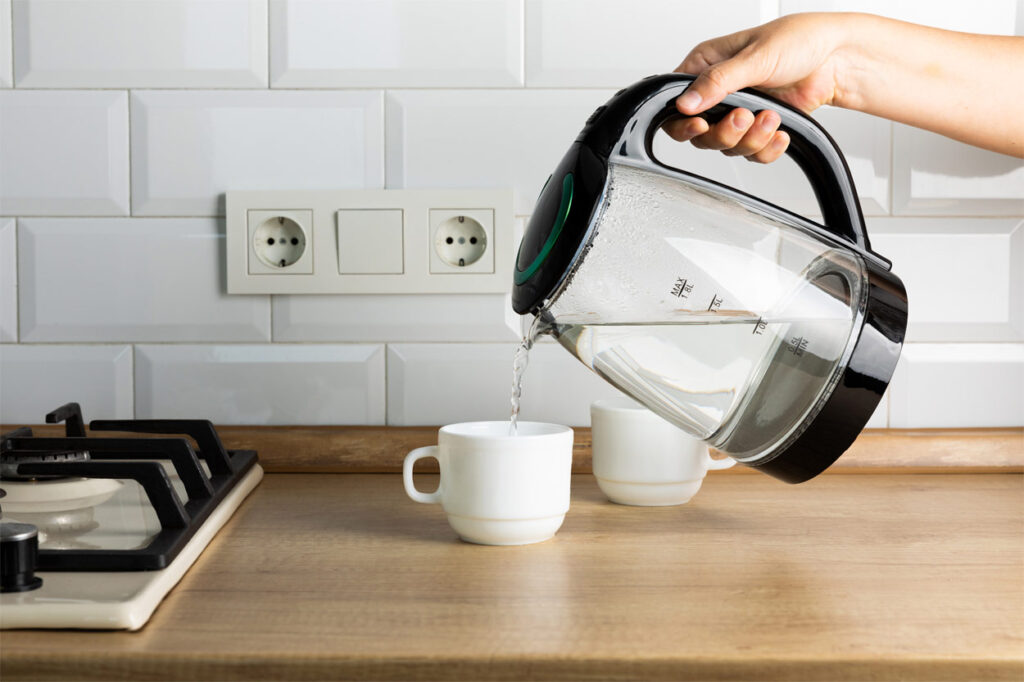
(123, 122)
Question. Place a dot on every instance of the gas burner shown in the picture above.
(111, 521)
(11, 459)
(79, 471)
(56, 495)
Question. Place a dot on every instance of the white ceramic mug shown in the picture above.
(641, 459)
(499, 489)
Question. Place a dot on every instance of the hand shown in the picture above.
(797, 58)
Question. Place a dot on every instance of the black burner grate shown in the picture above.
(136, 459)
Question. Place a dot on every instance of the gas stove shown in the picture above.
(97, 529)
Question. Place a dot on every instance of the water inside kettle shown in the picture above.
(725, 322)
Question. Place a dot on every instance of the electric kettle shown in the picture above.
(769, 336)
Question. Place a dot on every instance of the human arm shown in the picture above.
(965, 86)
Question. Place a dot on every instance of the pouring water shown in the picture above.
(519, 362)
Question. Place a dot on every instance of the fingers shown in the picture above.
(758, 136)
(775, 149)
(683, 129)
(727, 133)
(719, 79)
(740, 133)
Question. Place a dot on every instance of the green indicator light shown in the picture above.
(563, 214)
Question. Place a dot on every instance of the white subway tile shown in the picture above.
(36, 379)
(434, 384)
(863, 140)
(262, 384)
(958, 385)
(64, 153)
(188, 148)
(991, 16)
(609, 43)
(964, 276)
(483, 138)
(934, 175)
(8, 282)
(448, 317)
(6, 73)
(396, 43)
(133, 44)
(131, 279)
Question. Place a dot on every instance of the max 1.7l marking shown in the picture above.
(682, 288)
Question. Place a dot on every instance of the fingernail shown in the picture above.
(689, 100)
(770, 120)
(742, 120)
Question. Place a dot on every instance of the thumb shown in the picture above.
(718, 80)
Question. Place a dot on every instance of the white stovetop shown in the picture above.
(122, 519)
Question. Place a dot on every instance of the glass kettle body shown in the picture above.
(765, 334)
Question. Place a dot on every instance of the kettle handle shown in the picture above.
(646, 105)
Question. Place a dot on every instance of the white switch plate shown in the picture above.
(371, 242)
(420, 210)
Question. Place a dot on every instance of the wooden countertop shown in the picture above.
(332, 576)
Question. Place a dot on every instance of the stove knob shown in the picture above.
(19, 545)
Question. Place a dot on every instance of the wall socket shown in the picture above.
(388, 241)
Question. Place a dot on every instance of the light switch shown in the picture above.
(370, 242)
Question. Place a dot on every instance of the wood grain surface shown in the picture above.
(380, 449)
(911, 577)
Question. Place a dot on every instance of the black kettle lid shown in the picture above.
(557, 230)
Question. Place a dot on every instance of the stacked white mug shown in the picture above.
(640, 459)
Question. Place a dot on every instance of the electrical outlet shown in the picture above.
(461, 240)
(279, 242)
(370, 241)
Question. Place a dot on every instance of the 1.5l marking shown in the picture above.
(716, 303)
(797, 346)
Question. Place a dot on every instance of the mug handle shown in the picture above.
(718, 464)
(410, 487)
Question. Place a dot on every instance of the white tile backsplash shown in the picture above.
(63, 152)
(6, 70)
(396, 44)
(611, 43)
(123, 122)
(863, 140)
(934, 175)
(990, 16)
(188, 148)
(262, 384)
(483, 138)
(8, 281)
(36, 379)
(443, 383)
(133, 43)
(958, 385)
(131, 279)
(964, 276)
(430, 317)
